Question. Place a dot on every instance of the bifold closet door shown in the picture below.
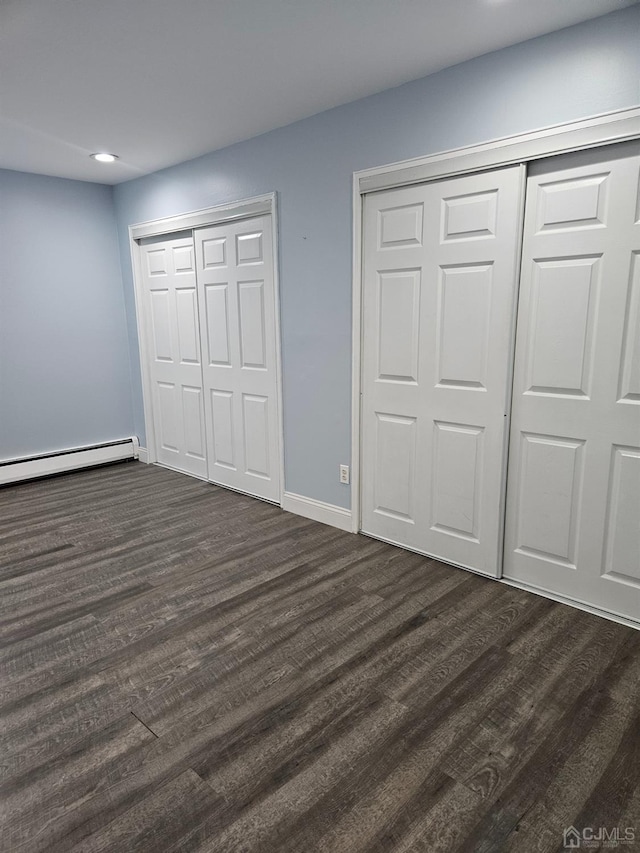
(440, 274)
(173, 352)
(238, 323)
(573, 498)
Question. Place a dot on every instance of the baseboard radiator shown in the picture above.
(60, 461)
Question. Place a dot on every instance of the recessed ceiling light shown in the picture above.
(104, 157)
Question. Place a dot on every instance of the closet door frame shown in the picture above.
(594, 132)
(233, 212)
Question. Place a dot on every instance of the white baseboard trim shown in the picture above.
(31, 468)
(325, 513)
(143, 455)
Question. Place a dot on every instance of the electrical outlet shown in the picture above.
(344, 474)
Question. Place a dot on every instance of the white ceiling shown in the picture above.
(161, 81)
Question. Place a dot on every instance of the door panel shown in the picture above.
(398, 309)
(193, 416)
(457, 474)
(168, 420)
(394, 471)
(217, 324)
(630, 363)
(464, 297)
(564, 295)
(174, 357)
(251, 322)
(440, 270)
(161, 320)
(471, 216)
(221, 430)
(188, 336)
(573, 499)
(548, 517)
(239, 354)
(256, 435)
(623, 503)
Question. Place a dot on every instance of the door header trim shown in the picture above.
(615, 126)
(243, 209)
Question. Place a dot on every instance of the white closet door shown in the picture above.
(573, 518)
(174, 353)
(440, 271)
(238, 322)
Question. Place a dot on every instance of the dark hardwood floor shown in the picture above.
(188, 669)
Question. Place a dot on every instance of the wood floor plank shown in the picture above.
(39, 806)
(37, 728)
(274, 822)
(525, 714)
(569, 799)
(430, 820)
(501, 819)
(188, 669)
(335, 642)
(234, 677)
(158, 821)
(415, 729)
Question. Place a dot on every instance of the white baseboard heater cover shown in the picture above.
(60, 461)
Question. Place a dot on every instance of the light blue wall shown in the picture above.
(577, 72)
(64, 354)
